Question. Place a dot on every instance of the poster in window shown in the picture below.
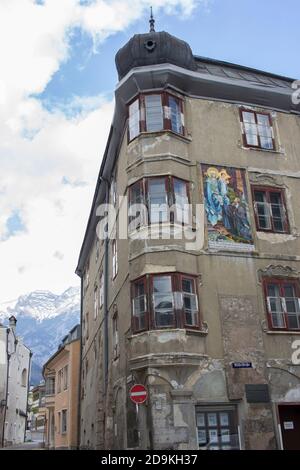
(227, 208)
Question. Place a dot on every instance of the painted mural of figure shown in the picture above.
(242, 226)
(224, 178)
(213, 197)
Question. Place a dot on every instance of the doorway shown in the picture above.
(289, 416)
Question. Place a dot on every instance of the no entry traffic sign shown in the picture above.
(138, 394)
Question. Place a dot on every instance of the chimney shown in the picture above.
(12, 323)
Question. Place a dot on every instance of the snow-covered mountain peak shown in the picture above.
(44, 319)
(41, 304)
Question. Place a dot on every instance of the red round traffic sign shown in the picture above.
(138, 393)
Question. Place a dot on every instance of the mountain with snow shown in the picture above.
(43, 319)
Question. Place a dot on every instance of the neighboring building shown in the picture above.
(61, 374)
(15, 361)
(208, 329)
(37, 410)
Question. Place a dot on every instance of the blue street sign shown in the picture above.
(241, 365)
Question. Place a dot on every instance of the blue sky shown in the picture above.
(263, 34)
(56, 103)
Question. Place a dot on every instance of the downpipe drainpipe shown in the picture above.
(80, 364)
(105, 300)
(105, 308)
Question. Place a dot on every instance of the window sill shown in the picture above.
(172, 228)
(260, 230)
(188, 331)
(184, 138)
(281, 332)
(257, 149)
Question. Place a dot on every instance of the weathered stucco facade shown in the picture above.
(15, 362)
(196, 397)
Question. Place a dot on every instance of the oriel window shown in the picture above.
(165, 301)
(155, 112)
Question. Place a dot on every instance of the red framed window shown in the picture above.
(257, 129)
(283, 303)
(189, 301)
(140, 313)
(155, 112)
(270, 209)
(157, 200)
(137, 210)
(165, 301)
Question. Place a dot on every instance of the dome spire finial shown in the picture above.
(151, 21)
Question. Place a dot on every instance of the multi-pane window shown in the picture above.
(283, 303)
(139, 305)
(217, 428)
(158, 199)
(258, 129)
(50, 386)
(114, 259)
(66, 376)
(59, 379)
(190, 301)
(156, 112)
(165, 301)
(181, 201)
(137, 211)
(64, 424)
(134, 119)
(176, 116)
(270, 211)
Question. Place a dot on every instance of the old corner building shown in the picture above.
(210, 329)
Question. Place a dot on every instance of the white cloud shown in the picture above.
(39, 148)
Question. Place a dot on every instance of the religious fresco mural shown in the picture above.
(227, 209)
